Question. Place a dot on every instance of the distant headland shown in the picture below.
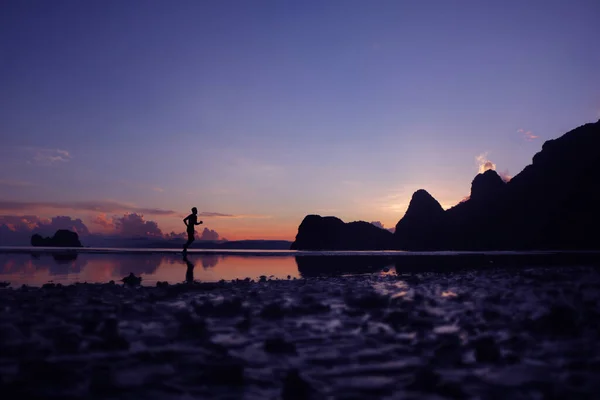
(553, 204)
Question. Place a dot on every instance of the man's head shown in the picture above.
(194, 210)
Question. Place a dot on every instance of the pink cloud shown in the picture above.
(527, 135)
(43, 226)
(209, 234)
(103, 206)
(104, 221)
(133, 225)
(44, 156)
(15, 229)
(505, 175)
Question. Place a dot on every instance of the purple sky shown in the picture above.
(270, 110)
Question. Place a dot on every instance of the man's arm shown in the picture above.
(198, 223)
(185, 220)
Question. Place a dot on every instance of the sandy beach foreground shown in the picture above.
(498, 333)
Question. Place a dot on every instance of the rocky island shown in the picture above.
(62, 238)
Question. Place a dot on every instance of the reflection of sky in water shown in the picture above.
(39, 269)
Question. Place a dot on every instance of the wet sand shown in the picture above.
(494, 333)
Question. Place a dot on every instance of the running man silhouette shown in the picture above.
(190, 221)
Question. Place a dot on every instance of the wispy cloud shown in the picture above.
(210, 214)
(484, 163)
(109, 207)
(102, 206)
(45, 156)
(527, 135)
(214, 214)
(14, 183)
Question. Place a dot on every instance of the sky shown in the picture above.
(261, 112)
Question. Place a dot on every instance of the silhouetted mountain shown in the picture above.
(554, 203)
(331, 233)
(424, 224)
(62, 238)
(486, 186)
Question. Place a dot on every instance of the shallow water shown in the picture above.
(35, 267)
(36, 270)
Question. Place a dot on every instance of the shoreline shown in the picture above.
(462, 335)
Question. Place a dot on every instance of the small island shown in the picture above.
(62, 238)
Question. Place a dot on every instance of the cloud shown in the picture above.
(380, 225)
(45, 227)
(505, 175)
(13, 183)
(17, 230)
(214, 214)
(233, 216)
(63, 222)
(527, 135)
(103, 206)
(25, 223)
(377, 224)
(174, 235)
(128, 225)
(134, 225)
(485, 165)
(206, 234)
(44, 156)
(209, 234)
(104, 221)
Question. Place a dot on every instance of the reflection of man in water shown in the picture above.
(189, 274)
(190, 221)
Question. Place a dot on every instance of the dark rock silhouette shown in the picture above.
(552, 204)
(62, 238)
(424, 224)
(486, 186)
(331, 233)
(132, 280)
